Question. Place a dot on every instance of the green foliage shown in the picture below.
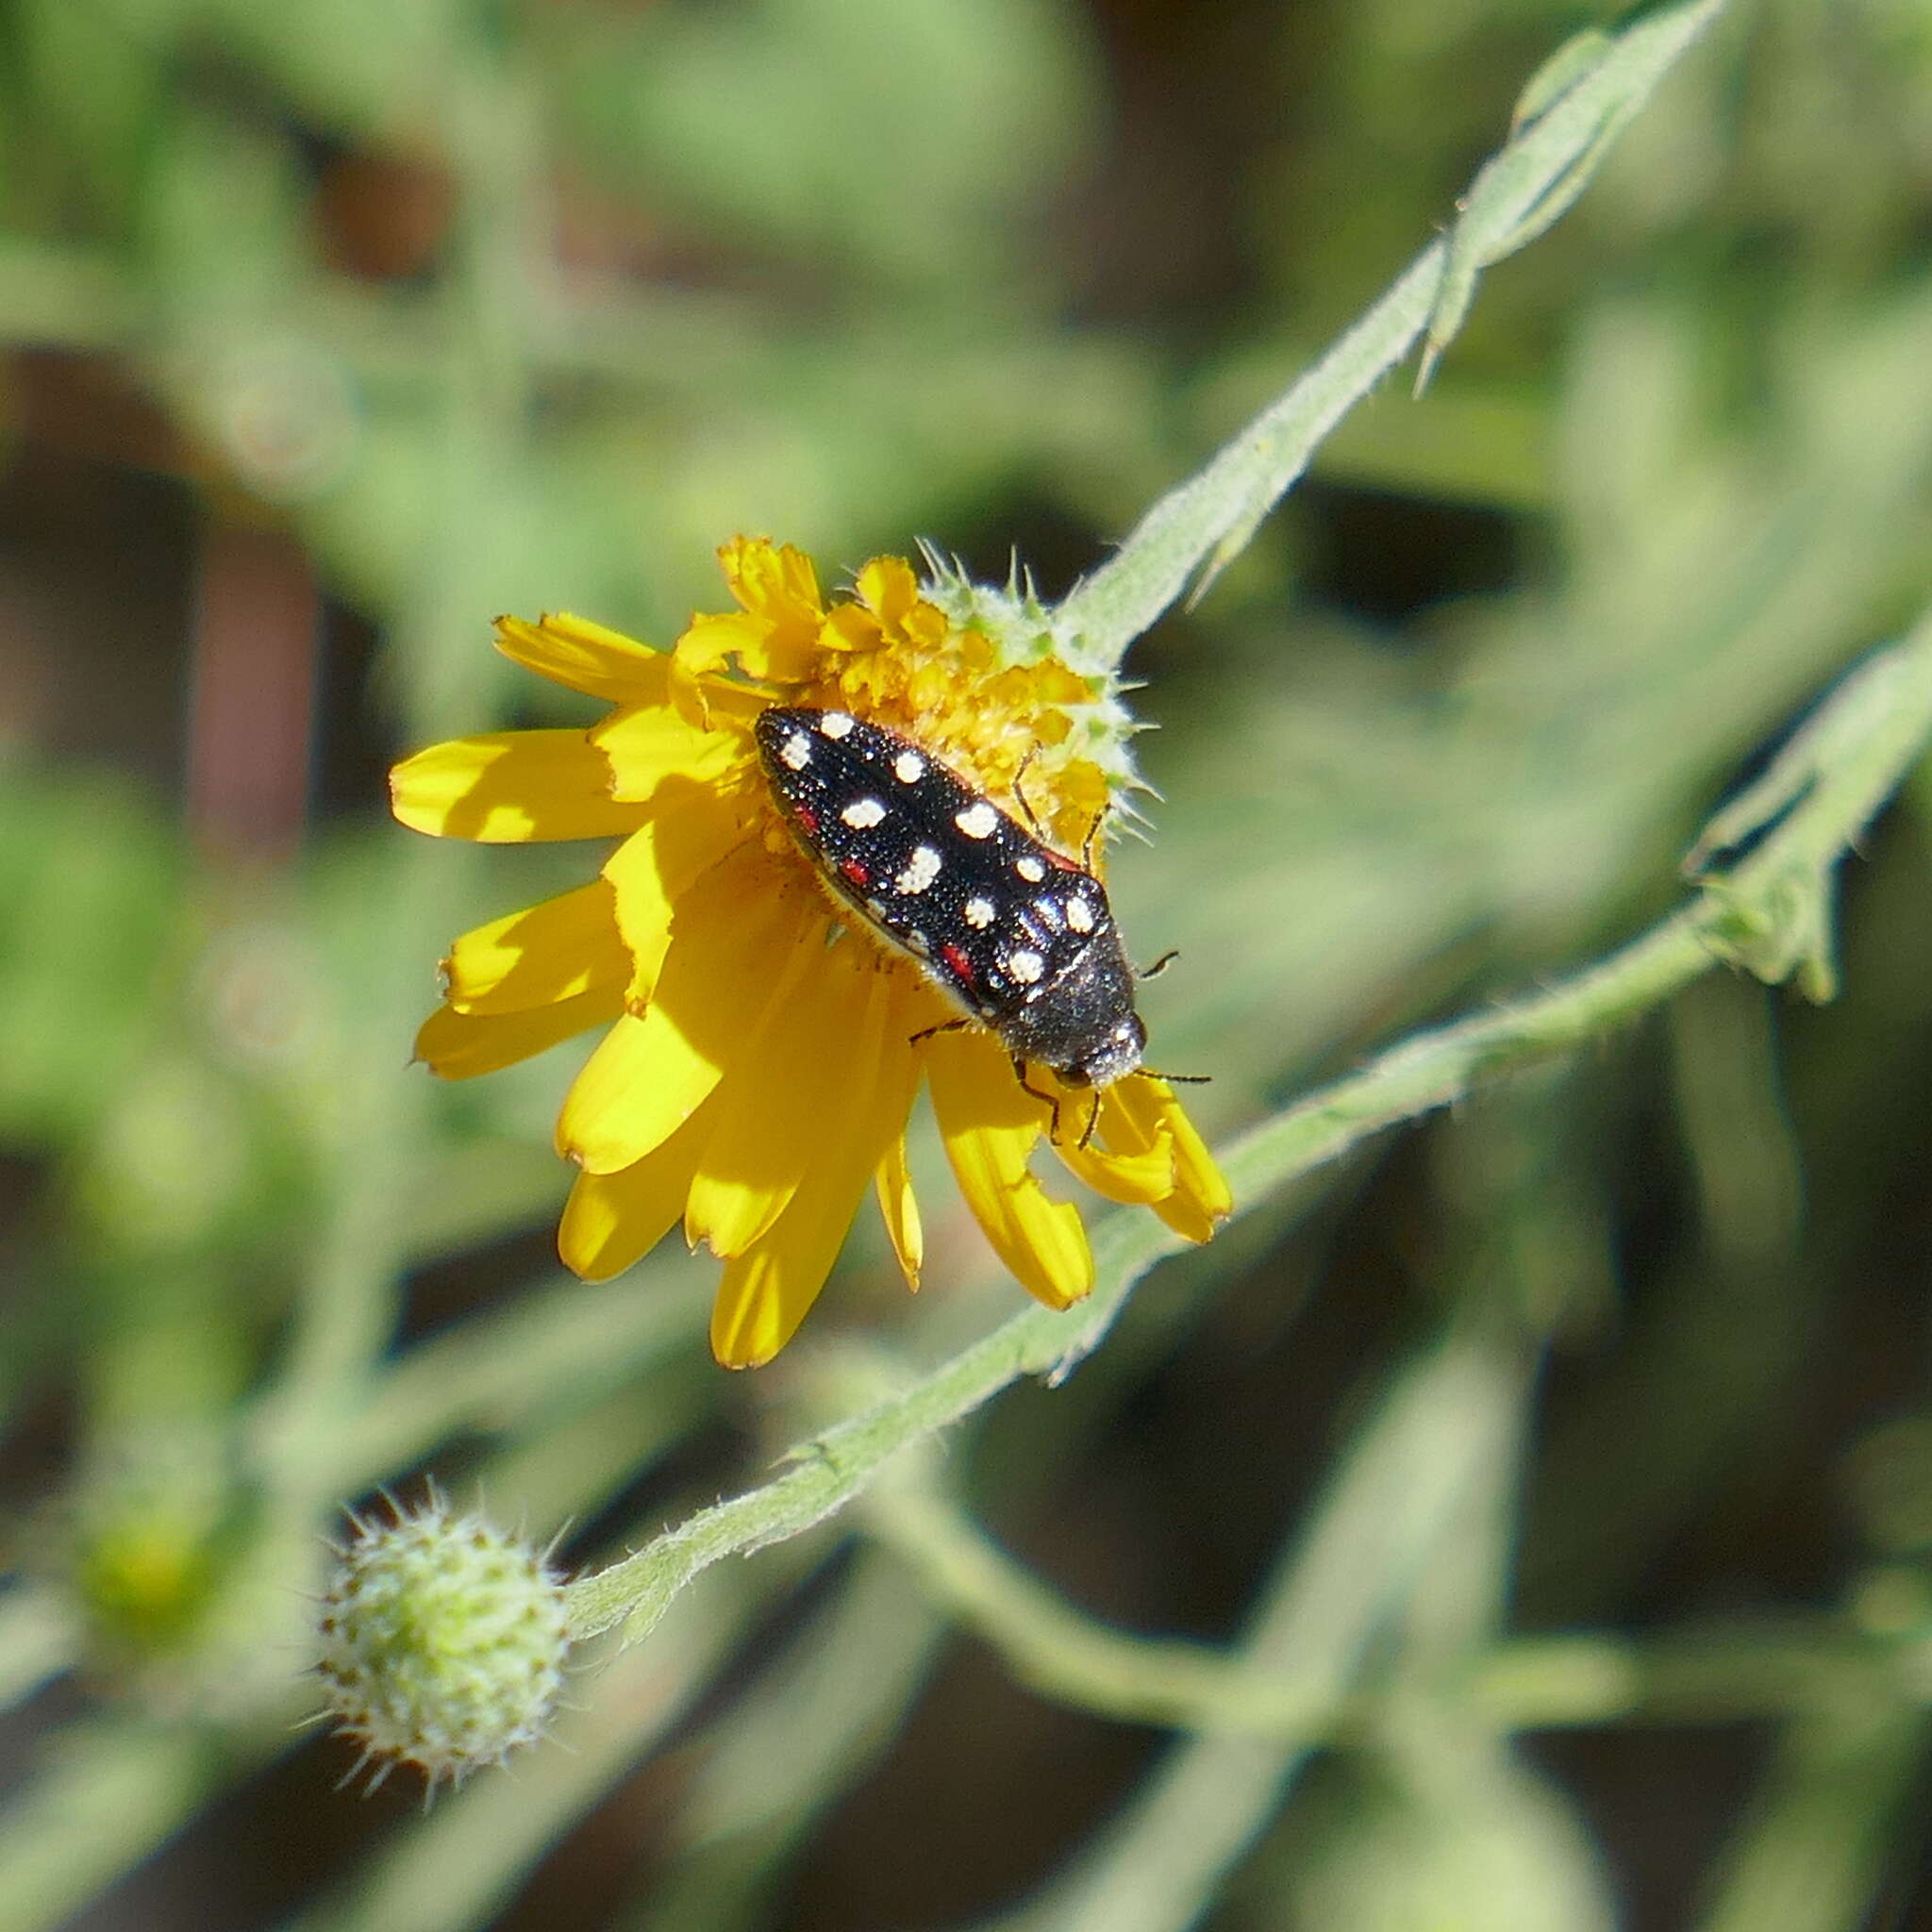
(887, 139)
(80, 856)
(1595, 1405)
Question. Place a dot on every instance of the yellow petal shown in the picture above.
(1197, 1175)
(597, 1126)
(543, 954)
(888, 589)
(1188, 1218)
(611, 1220)
(587, 657)
(777, 653)
(850, 627)
(652, 1071)
(1201, 1200)
(458, 1046)
(990, 1125)
(774, 581)
(656, 865)
(764, 1294)
(709, 644)
(803, 1064)
(1139, 1175)
(648, 743)
(899, 1210)
(1130, 1129)
(777, 635)
(505, 786)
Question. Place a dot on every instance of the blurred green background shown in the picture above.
(335, 328)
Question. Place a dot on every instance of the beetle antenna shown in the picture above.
(1025, 804)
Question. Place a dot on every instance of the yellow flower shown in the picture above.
(763, 1052)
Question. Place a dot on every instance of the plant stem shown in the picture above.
(1767, 912)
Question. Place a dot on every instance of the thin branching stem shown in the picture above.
(1719, 1675)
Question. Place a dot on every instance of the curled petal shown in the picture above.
(508, 787)
(773, 581)
(776, 657)
(774, 640)
(540, 956)
(990, 1125)
(587, 657)
(1201, 1200)
(1139, 1176)
(458, 1046)
(710, 643)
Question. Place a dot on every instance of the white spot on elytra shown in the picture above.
(909, 768)
(863, 813)
(834, 725)
(921, 870)
(1079, 914)
(876, 908)
(978, 821)
(1025, 966)
(796, 751)
(917, 942)
(1030, 869)
(978, 913)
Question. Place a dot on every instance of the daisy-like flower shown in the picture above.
(764, 1047)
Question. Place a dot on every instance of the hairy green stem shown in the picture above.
(1570, 114)
(1766, 913)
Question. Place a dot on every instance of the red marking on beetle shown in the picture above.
(806, 817)
(957, 961)
(1062, 863)
(854, 871)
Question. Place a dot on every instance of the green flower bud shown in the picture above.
(146, 1548)
(158, 1552)
(443, 1642)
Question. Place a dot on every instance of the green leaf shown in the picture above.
(1566, 123)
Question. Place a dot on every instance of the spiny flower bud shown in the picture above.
(443, 1642)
